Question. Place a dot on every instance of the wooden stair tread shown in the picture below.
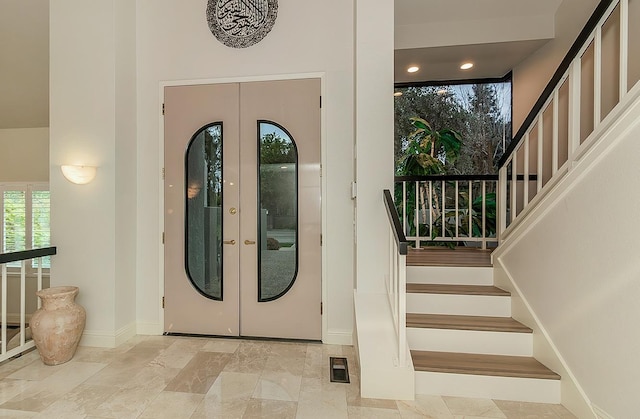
(457, 289)
(479, 364)
(456, 322)
(436, 256)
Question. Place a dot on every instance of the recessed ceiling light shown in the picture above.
(396, 94)
(466, 66)
(413, 69)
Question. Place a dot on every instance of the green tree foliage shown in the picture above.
(14, 221)
(213, 165)
(276, 150)
(441, 110)
(476, 112)
(487, 128)
(466, 133)
(429, 151)
(278, 158)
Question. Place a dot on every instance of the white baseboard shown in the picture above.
(601, 414)
(338, 337)
(125, 333)
(149, 329)
(14, 318)
(108, 339)
(98, 339)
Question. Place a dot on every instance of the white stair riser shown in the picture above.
(449, 275)
(488, 387)
(465, 305)
(470, 341)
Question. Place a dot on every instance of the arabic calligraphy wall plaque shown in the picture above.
(241, 23)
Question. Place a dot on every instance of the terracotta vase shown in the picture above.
(58, 325)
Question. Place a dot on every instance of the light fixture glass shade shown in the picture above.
(79, 174)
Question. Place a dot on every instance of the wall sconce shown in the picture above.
(79, 174)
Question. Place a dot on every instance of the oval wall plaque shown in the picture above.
(241, 23)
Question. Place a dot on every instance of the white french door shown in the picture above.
(242, 209)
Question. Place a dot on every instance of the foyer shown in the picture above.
(197, 378)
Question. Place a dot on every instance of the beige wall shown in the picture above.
(24, 155)
(532, 75)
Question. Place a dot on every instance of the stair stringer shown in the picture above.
(572, 396)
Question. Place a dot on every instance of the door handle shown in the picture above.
(231, 242)
(249, 242)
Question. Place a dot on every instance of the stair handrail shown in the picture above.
(27, 254)
(557, 77)
(541, 146)
(396, 281)
(396, 226)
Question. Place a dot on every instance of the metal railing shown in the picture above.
(21, 341)
(397, 278)
(458, 210)
(591, 88)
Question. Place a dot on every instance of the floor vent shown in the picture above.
(338, 369)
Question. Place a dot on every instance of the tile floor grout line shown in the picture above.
(249, 379)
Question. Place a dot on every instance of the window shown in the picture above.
(25, 219)
(479, 111)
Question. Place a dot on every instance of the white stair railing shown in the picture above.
(19, 343)
(397, 278)
(451, 209)
(593, 86)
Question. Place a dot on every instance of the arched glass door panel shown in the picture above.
(278, 211)
(203, 220)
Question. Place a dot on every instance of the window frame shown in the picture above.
(28, 188)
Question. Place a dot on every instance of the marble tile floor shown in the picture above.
(197, 378)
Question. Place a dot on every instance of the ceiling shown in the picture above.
(496, 35)
(24, 63)
(436, 35)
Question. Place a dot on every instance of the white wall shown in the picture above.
(92, 122)
(125, 168)
(575, 260)
(532, 75)
(101, 115)
(174, 43)
(374, 147)
(24, 155)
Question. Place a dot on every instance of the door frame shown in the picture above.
(323, 184)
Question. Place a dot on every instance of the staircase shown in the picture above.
(462, 338)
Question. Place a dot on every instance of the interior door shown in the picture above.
(242, 209)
